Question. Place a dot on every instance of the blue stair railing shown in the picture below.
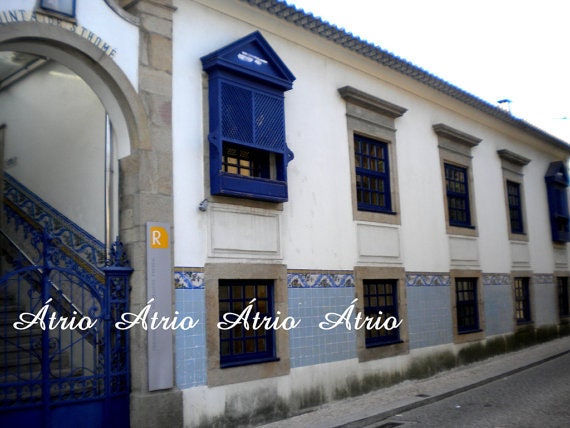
(21, 205)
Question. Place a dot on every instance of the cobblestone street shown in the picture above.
(537, 397)
(527, 388)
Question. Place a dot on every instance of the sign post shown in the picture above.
(159, 287)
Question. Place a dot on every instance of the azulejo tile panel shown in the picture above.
(189, 279)
(543, 278)
(320, 279)
(193, 278)
(496, 279)
(427, 280)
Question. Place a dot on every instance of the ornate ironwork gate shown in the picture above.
(62, 363)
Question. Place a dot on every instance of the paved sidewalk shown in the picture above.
(366, 410)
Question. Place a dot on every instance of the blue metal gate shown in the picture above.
(63, 363)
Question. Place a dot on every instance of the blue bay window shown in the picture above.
(556, 187)
(248, 151)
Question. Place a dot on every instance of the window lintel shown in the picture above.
(456, 136)
(370, 102)
(513, 158)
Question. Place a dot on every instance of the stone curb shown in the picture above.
(366, 422)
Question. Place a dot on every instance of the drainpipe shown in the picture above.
(108, 186)
(2, 128)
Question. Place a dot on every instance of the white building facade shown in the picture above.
(313, 172)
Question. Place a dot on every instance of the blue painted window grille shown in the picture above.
(556, 185)
(247, 81)
(381, 296)
(240, 345)
(522, 300)
(563, 297)
(515, 206)
(466, 305)
(372, 175)
(457, 187)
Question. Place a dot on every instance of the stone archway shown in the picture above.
(140, 112)
(121, 102)
(96, 68)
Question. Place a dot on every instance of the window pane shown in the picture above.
(245, 161)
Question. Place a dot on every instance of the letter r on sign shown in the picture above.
(158, 237)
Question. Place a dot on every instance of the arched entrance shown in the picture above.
(65, 183)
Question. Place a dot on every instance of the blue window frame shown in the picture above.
(381, 296)
(372, 175)
(240, 345)
(515, 207)
(247, 81)
(467, 307)
(556, 184)
(457, 187)
(522, 300)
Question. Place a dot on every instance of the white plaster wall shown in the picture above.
(421, 193)
(318, 230)
(55, 130)
(203, 404)
(18, 4)
(123, 36)
(97, 17)
(540, 238)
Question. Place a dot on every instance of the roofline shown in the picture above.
(347, 40)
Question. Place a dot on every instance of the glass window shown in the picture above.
(381, 301)
(563, 297)
(245, 345)
(456, 182)
(372, 174)
(515, 206)
(467, 305)
(245, 161)
(65, 7)
(522, 300)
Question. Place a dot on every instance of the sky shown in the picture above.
(494, 49)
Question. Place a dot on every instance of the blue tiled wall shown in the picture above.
(191, 344)
(429, 315)
(498, 296)
(308, 343)
(312, 295)
(545, 295)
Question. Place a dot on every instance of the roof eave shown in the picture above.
(374, 53)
